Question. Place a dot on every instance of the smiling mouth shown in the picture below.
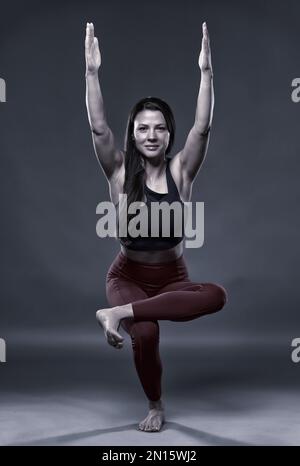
(151, 147)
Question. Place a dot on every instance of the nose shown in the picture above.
(152, 135)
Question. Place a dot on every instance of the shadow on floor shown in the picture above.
(198, 435)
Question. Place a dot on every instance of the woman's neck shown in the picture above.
(154, 172)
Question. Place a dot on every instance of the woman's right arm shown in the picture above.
(109, 157)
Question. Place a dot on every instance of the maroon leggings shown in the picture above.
(157, 291)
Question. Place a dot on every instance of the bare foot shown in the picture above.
(109, 319)
(154, 421)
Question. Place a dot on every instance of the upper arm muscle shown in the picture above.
(193, 153)
(110, 158)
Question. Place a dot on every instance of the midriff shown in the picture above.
(152, 257)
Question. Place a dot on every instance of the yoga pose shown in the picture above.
(148, 280)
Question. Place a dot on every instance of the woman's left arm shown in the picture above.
(194, 151)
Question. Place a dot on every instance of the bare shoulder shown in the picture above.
(184, 185)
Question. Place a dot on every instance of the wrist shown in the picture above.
(207, 75)
(91, 73)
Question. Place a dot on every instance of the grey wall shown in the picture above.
(53, 264)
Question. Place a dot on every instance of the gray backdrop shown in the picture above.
(54, 265)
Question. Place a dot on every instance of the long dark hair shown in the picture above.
(134, 167)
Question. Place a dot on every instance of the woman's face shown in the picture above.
(151, 133)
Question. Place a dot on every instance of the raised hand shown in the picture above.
(205, 54)
(92, 52)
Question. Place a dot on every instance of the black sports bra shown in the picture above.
(148, 243)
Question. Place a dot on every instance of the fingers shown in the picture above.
(205, 38)
(89, 37)
(205, 32)
(96, 45)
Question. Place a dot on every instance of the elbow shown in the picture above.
(205, 131)
(96, 131)
(99, 130)
(202, 129)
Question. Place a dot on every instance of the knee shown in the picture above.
(219, 295)
(145, 334)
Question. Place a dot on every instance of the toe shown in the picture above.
(157, 424)
(154, 425)
(111, 339)
(141, 426)
(148, 427)
(118, 337)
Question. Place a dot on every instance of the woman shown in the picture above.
(148, 280)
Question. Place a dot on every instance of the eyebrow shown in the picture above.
(144, 124)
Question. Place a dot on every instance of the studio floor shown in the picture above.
(234, 393)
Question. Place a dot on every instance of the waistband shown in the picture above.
(151, 277)
(125, 259)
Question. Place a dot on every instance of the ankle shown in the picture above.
(156, 404)
(125, 311)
